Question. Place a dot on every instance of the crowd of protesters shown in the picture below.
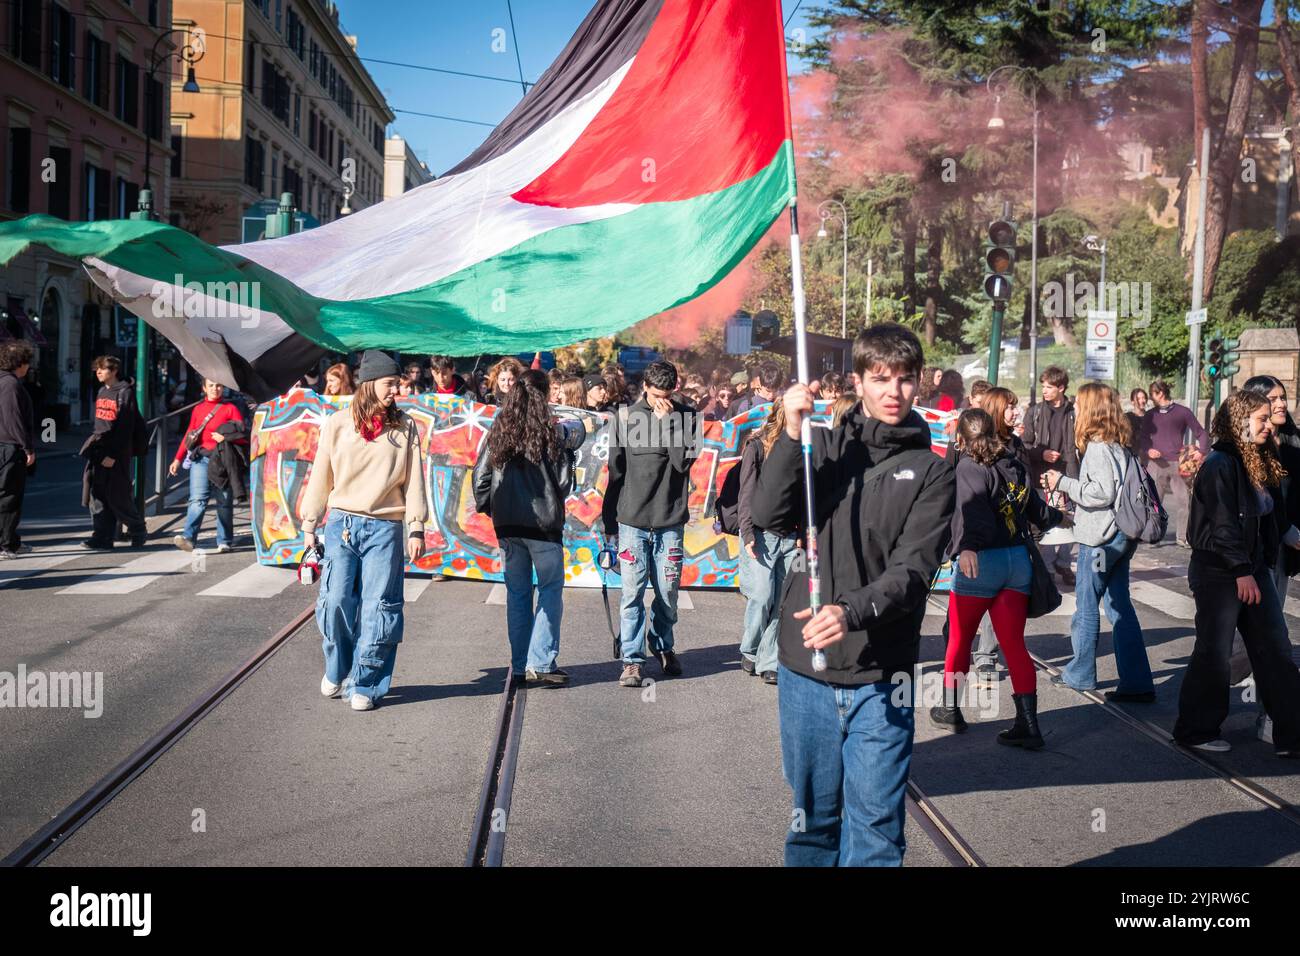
(1018, 484)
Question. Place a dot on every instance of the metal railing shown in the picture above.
(158, 440)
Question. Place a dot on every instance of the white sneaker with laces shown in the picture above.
(182, 542)
(224, 549)
(1219, 746)
(328, 688)
(362, 702)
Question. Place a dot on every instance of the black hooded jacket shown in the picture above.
(1229, 536)
(884, 506)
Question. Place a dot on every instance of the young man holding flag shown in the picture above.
(884, 501)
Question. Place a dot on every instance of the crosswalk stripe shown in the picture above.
(412, 588)
(255, 581)
(27, 565)
(133, 575)
(1292, 607)
(1163, 599)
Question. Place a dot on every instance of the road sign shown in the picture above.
(740, 334)
(1099, 355)
(1196, 316)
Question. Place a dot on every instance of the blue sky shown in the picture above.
(458, 35)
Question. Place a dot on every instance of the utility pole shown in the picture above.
(1196, 317)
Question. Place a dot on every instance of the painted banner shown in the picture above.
(459, 541)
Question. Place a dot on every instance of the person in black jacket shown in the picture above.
(17, 444)
(1049, 445)
(1237, 519)
(884, 502)
(106, 482)
(522, 477)
(993, 573)
(765, 557)
(652, 445)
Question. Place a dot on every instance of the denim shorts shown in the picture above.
(1001, 569)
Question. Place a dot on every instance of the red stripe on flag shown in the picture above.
(702, 108)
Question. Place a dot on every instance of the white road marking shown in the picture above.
(26, 565)
(134, 575)
(413, 587)
(254, 581)
(1163, 599)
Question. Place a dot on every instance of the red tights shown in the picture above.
(1007, 612)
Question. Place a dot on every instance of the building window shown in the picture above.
(153, 13)
(127, 104)
(153, 109)
(19, 164)
(128, 197)
(275, 174)
(58, 199)
(311, 130)
(96, 70)
(177, 144)
(279, 5)
(63, 46)
(96, 192)
(25, 31)
(254, 162)
(295, 33)
(297, 114)
(251, 79)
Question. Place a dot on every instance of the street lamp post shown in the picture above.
(843, 220)
(996, 122)
(190, 54)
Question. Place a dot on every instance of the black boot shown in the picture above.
(1024, 732)
(948, 716)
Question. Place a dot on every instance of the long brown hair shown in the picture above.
(523, 425)
(346, 384)
(575, 393)
(1232, 424)
(366, 405)
(996, 401)
(1098, 416)
(767, 433)
(842, 406)
(509, 362)
(980, 438)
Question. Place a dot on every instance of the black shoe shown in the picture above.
(1024, 732)
(1289, 754)
(669, 662)
(1149, 697)
(769, 677)
(746, 665)
(139, 542)
(556, 677)
(518, 680)
(95, 546)
(948, 718)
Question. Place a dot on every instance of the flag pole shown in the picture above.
(805, 432)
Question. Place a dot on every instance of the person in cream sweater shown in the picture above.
(369, 473)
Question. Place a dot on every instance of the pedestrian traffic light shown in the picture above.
(1229, 366)
(1214, 359)
(1000, 259)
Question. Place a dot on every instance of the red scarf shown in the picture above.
(374, 429)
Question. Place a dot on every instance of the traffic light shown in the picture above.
(766, 327)
(1214, 359)
(1000, 259)
(1228, 364)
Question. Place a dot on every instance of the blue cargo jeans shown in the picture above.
(651, 556)
(845, 753)
(359, 609)
(761, 578)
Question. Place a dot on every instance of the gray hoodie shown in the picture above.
(1095, 492)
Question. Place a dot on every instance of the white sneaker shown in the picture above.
(362, 702)
(328, 688)
(8, 555)
(1264, 728)
(182, 542)
(1219, 746)
(224, 549)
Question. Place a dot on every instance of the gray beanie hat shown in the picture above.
(376, 364)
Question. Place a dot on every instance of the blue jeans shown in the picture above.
(845, 753)
(654, 556)
(359, 609)
(534, 638)
(199, 492)
(1103, 573)
(761, 578)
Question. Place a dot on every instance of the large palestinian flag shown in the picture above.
(638, 171)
